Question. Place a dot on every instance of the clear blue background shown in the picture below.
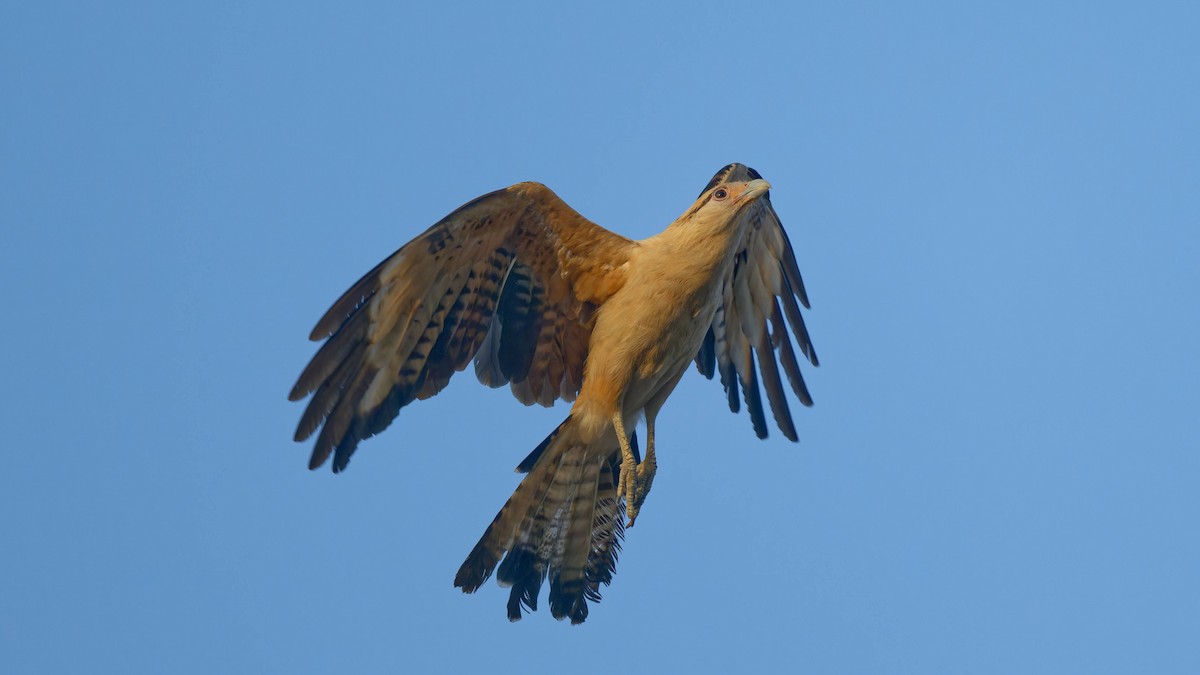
(996, 210)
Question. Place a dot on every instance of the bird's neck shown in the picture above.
(703, 242)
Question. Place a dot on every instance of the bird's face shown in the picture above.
(723, 201)
(740, 193)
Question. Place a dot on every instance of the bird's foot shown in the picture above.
(627, 485)
(645, 478)
(635, 485)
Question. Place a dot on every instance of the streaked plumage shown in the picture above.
(558, 307)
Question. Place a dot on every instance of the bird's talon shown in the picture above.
(635, 486)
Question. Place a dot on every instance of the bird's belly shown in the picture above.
(667, 357)
(660, 348)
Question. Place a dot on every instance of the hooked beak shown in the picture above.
(754, 189)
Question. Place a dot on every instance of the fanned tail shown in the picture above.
(564, 523)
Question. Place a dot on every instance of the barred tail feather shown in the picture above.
(608, 529)
(563, 523)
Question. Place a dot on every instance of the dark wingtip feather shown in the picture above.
(341, 456)
(802, 393)
(796, 320)
(315, 461)
(791, 269)
(754, 401)
(322, 449)
(787, 358)
(706, 358)
(730, 382)
(773, 385)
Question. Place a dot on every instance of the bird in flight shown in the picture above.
(557, 307)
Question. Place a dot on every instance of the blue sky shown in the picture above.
(995, 209)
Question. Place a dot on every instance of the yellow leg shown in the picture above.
(636, 479)
(627, 485)
(645, 472)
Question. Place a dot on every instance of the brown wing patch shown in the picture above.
(510, 280)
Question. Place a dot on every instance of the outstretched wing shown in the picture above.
(511, 279)
(762, 288)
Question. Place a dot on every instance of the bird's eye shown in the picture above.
(720, 193)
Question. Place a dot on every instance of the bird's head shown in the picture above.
(731, 190)
(732, 173)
